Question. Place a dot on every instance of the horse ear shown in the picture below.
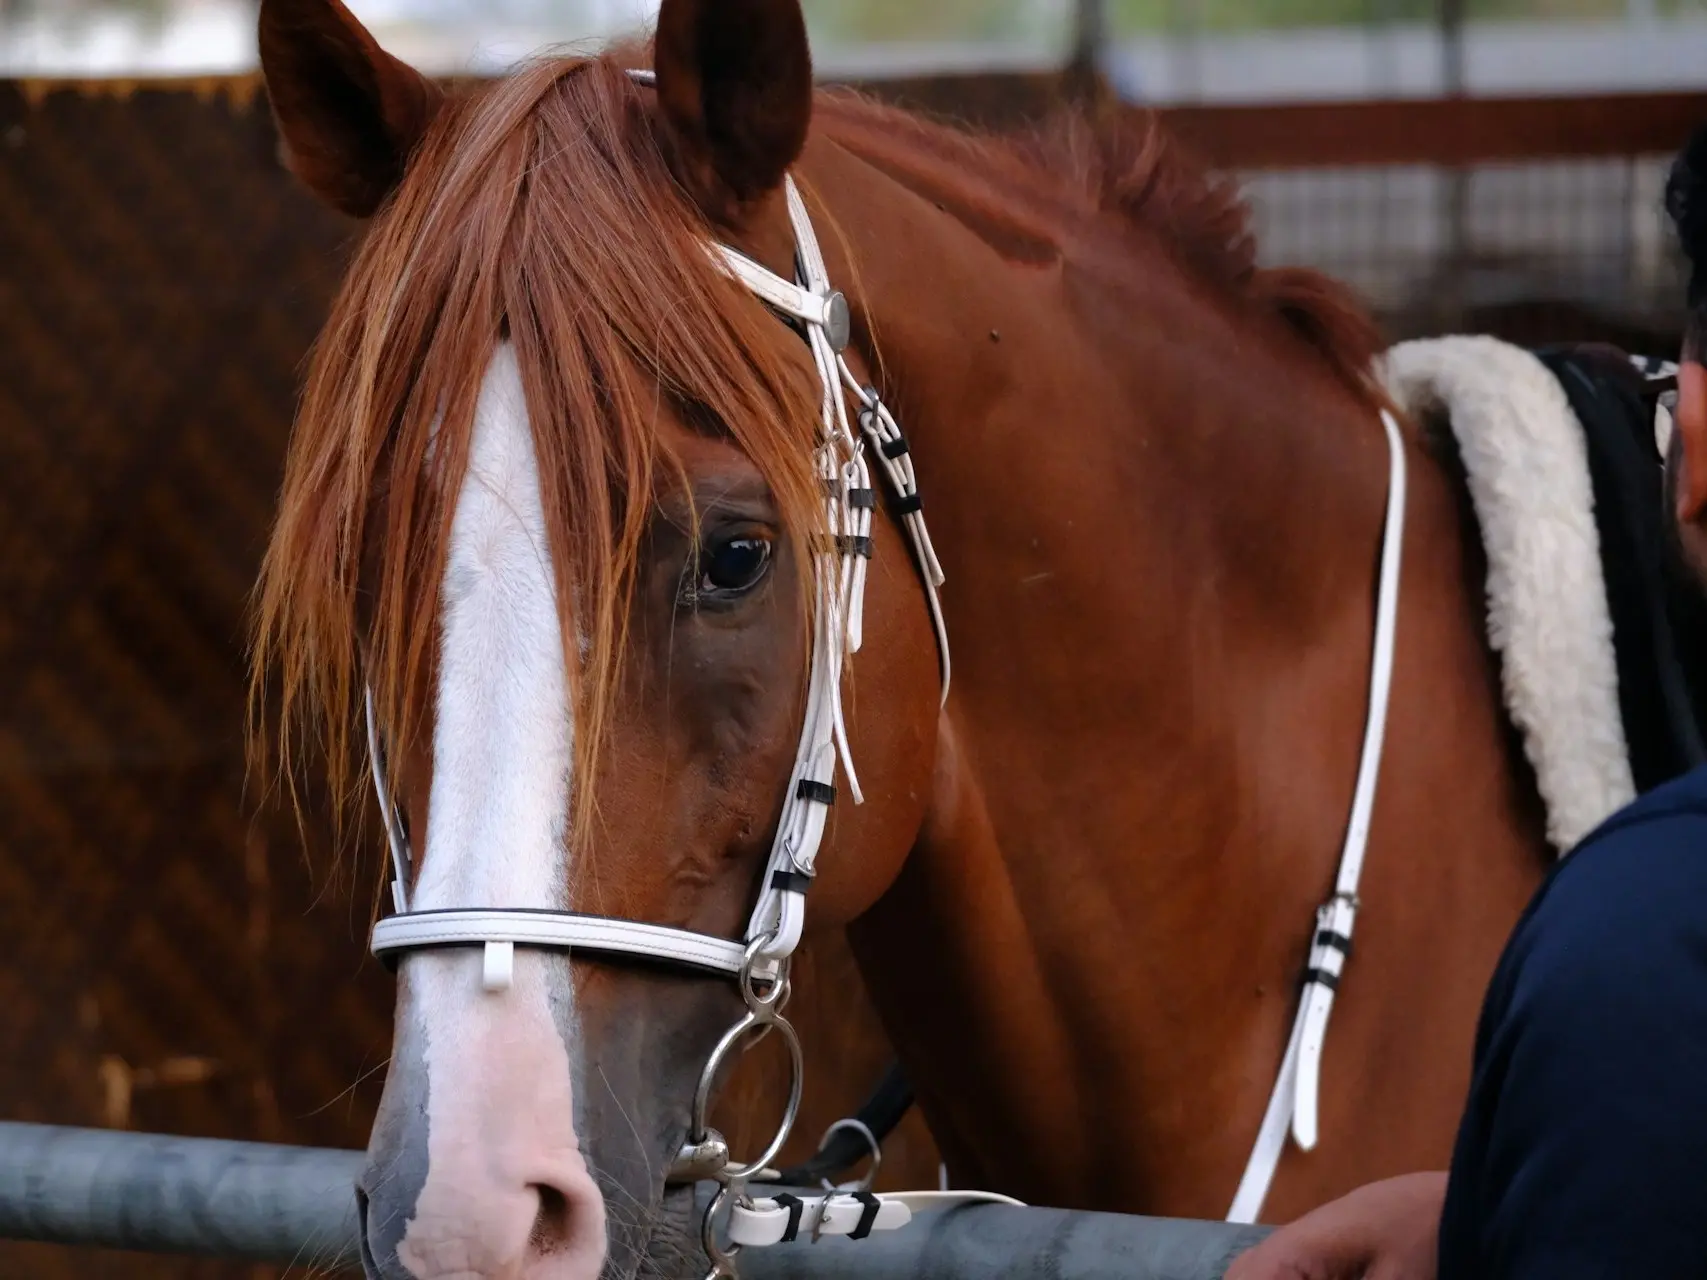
(735, 87)
(349, 112)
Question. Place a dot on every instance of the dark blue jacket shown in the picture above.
(1583, 1149)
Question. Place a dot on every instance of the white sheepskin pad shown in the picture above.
(1548, 619)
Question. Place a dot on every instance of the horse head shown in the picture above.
(570, 514)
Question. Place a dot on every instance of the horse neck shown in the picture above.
(1157, 507)
(1159, 513)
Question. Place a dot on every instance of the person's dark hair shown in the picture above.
(1686, 203)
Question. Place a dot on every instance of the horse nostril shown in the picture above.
(551, 1225)
(370, 1268)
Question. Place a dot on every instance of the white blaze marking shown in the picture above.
(499, 1098)
(498, 807)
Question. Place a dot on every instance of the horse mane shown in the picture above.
(1120, 163)
(539, 209)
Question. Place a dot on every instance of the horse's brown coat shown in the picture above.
(1082, 893)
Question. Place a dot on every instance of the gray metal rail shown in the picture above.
(273, 1203)
(164, 1194)
(1002, 1242)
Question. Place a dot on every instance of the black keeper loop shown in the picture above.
(1322, 978)
(867, 1214)
(862, 499)
(893, 449)
(790, 881)
(1338, 941)
(812, 789)
(794, 1204)
(908, 503)
(849, 544)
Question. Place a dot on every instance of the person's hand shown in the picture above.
(1384, 1231)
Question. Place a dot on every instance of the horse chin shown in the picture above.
(674, 1252)
(665, 1246)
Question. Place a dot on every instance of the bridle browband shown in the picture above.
(759, 963)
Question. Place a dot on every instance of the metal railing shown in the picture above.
(271, 1203)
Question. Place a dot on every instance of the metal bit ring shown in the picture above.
(751, 1024)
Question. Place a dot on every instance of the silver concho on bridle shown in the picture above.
(759, 964)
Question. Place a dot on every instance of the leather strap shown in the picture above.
(555, 931)
(845, 1147)
(1293, 1104)
(771, 289)
(768, 1220)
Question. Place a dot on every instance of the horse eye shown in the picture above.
(733, 566)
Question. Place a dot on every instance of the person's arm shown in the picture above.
(1384, 1231)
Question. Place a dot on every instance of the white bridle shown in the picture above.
(774, 929)
(759, 962)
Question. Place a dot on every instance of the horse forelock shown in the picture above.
(538, 210)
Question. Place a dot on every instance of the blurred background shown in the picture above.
(167, 962)
(1536, 206)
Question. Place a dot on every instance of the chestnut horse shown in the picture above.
(553, 496)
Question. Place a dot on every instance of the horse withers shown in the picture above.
(596, 483)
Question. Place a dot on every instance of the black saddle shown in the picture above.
(1659, 611)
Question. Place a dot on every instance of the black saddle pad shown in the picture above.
(1659, 613)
